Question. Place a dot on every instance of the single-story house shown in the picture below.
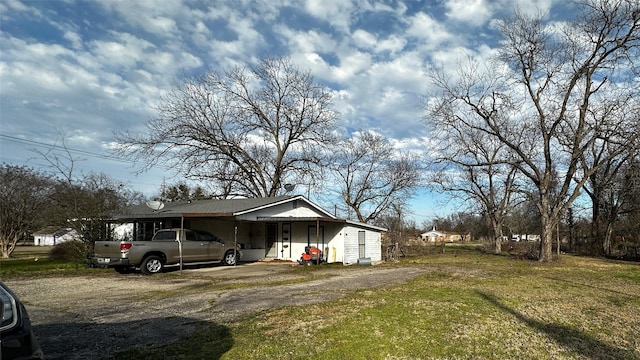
(263, 228)
(443, 236)
(53, 235)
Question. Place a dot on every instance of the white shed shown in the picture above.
(53, 235)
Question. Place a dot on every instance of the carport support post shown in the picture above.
(235, 243)
(318, 240)
(180, 241)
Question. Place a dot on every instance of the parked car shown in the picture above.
(16, 337)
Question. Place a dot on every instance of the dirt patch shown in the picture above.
(93, 317)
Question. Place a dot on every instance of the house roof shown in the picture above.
(230, 208)
(53, 231)
(439, 233)
(212, 208)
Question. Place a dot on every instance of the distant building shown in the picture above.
(525, 237)
(443, 236)
(54, 235)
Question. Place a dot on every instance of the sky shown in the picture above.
(74, 72)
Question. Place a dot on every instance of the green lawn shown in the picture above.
(470, 305)
(33, 261)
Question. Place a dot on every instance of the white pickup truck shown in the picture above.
(165, 248)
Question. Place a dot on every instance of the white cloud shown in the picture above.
(74, 38)
(306, 41)
(392, 44)
(368, 41)
(336, 12)
(148, 14)
(427, 29)
(364, 39)
(351, 64)
(8, 6)
(474, 12)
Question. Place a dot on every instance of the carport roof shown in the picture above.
(322, 219)
(210, 208)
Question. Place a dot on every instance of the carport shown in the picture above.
(263, 228)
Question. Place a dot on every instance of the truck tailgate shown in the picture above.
(105, 252)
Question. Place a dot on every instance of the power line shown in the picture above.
(70, 150)
(60, 147)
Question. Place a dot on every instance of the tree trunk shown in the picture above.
(546, 238)
(595, 227)
(606, 242)
(558, 237)
(5, 251)
(497, 236)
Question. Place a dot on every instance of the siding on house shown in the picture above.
(446, 236)
(352, 247)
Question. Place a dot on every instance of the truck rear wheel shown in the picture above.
(230, 258)
(152, 264)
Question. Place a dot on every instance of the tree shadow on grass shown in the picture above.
(155, 338)
(572, 339)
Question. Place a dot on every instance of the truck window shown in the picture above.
(205, 236)
(165, 235)
(190, 236)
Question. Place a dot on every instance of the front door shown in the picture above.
(271, 243)
(285, 247)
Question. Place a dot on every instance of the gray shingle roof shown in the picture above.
(224, 207)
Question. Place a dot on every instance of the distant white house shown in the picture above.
(54, 235)
(525, 237)
(443, 236)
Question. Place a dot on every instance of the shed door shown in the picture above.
(361, 244)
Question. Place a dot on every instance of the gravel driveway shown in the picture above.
(93, 317)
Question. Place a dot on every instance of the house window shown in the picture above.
(361, 252)
(315, 237)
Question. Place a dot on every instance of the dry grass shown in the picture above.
(470, 305)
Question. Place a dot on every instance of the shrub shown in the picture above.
(76, 251)
(522, 250)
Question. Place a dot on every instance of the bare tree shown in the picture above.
(374, 179)
(558, 77)
(608, 189)
(468, 163)
(24, 196)
(83, 201)
(248, 131)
